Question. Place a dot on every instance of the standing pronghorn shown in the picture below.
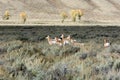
(65, 40)
(50, 41)
(58, 41)
(106, 43)
(74, 42)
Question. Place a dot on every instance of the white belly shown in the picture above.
(106, 44)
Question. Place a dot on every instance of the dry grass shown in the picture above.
(25, 54)
(36, 61)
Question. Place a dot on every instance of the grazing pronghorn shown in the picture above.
(50, 41)
(70, 39)
(74, 42)
(106, 43)
(58, 41)
(65, 40)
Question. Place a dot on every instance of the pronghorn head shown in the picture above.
(48, 37)
(62, 36)
(105, 40)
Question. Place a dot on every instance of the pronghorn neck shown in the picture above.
(105, 41)
(62, 36)
(48, 38)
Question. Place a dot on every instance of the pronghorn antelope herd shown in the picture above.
(62, 41)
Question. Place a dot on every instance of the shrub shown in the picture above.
(12, 45)
(64, 16)
(75, 14)
(117, 65)
(83, 56)
(68, 50)
(60, 72)
(79, 14)
(115, 48)
(6, 15)
(23, 16)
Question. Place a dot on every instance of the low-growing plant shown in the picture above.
(117, 65)
(23, 17)
(64, 16)
(6, 15)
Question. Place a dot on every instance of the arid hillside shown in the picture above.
(95, 10)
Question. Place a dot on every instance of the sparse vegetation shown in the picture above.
(64, 16)
(73, 15)
(35, 59)
(6, 15)
(76, 14)
(23, 17)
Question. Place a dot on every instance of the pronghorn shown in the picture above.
(77, 44)
(58, 41)
(70, 39)
(106, 43)
(65, 40)
(74, 42)
(50, 41)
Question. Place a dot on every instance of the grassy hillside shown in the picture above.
(100, 10)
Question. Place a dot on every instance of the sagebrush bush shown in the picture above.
(13, 45)
(40, 61)
(116, 65)
(115, 48)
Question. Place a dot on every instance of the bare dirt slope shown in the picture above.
(98, 10)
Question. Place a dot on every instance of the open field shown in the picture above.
(57, 22)
(26, 55)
